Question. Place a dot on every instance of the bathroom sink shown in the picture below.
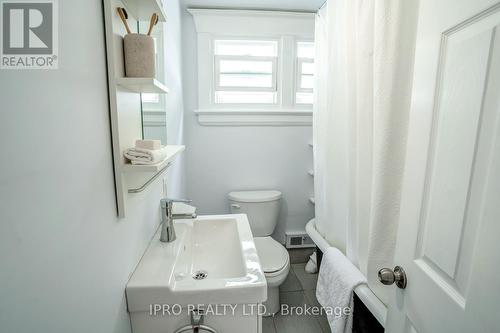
(212, 261)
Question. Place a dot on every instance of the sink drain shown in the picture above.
(200, 275)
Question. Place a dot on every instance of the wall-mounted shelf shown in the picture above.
(157, 169)
(142, 10)
(172, 152)
(312, 200)
(142, 85)
(124, 99)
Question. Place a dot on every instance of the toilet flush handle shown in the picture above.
(235, 206)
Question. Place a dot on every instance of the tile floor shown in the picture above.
(298, 289)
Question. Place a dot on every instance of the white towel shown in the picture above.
(148, 144)
(337, 279)
(145, 156)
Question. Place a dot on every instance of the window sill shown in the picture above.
(221, 117)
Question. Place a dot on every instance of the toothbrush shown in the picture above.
(123, 15)
(152, 22)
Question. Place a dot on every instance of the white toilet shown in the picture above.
(262, 209)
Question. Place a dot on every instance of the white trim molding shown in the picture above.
(214, 117)
(285, 27)
(242, 22)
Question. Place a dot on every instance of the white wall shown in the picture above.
(64, 255)
(223, 159)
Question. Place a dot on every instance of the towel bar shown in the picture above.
(152, 179)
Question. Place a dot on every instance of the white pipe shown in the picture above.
(376, 307)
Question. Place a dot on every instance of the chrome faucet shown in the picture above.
(167, 219)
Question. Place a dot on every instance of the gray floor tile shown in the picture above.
(322, 320)
(308, 281)
(294, 298)
(296, 324)
(291, 283)
(298, 290)
(311, 296)
(268, 325)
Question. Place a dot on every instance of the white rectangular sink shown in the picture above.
(219, 249)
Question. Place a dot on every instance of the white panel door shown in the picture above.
(449, 232)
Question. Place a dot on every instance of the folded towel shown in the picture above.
(148, 144)
(145, 156)
(337, 279)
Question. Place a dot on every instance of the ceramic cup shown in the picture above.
(139, 52)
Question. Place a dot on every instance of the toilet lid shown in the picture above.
(273, 256)
(254, 196)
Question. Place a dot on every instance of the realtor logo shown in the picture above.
(29, 34)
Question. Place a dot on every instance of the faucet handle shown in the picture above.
(164, 202)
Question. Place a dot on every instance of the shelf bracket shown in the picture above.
(152, 179)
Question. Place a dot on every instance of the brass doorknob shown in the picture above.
(388, 276)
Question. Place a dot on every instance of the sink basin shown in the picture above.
(212, 261)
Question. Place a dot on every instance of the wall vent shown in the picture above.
(299, 239)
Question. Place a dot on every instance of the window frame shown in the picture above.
(285, 28)
(210, 105)
(299, 74)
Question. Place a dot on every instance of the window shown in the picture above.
(254, 67)
(305, 73)
(245, 71)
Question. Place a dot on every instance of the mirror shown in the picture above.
(153, 108)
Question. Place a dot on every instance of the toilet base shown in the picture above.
(273, 301)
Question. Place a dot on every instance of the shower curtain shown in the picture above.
(364, 59)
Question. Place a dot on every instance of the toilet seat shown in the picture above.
(273, 256)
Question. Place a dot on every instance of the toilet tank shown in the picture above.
(261, 207)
